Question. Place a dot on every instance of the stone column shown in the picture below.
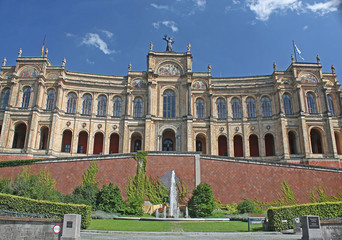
(279, 100)
(149, 100)
(126, 103)
(299, 100)
(210, 106)
(326, 102)
(59, 97)
(189, 99)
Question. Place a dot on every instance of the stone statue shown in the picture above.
(46, 52)
(189, 47)
(20, 52)
(129, 67)
(169, 43)
(4, 62)
(292, 58)
(333, 69)
(209, 68)
(151, 46)
(318, 59)
(64, 62)
(274, 66)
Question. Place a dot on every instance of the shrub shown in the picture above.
(5, 186)
(287, 194)
(202, 202)
(86, 194)
(246, 206)
(324, 210)
(110, 200)
(46, 208)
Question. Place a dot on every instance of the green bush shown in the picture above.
(246, 206)
(110, 200)
(324, 210)
(202, 202)
(86, 194)
(46, 208)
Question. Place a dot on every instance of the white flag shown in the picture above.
(298, 51)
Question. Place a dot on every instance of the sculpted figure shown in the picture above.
(169, 43)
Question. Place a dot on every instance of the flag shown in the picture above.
(298, 51)
(43, 47)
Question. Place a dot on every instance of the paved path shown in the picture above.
(105, 235)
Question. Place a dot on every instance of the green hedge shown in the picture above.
(48, 209)
(324, 210)
(14, 163)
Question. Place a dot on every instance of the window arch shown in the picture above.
(71, 103)
(251, 111)
(266, 107)
(311, 103)
(287, 104)
(86, 105)
(200, 108)
(102, 106)
(26, 97)
(169, 107)
(316, 141)
(4, 98)
(292, 142)
(236, 108)
(50, 99)
(117, 106)
(331, 106)
(138, 106)
(221, 108)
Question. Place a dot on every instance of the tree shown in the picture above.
(109, 199)
(202, 202)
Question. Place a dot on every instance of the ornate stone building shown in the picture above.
(292, 115)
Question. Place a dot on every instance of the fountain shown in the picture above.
(173, 196)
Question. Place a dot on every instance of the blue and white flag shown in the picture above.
(298, 51)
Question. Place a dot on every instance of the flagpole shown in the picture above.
(294, 50)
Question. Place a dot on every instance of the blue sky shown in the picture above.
(237, 37)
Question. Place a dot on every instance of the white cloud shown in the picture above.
(323, 8)
(200, 4)
(264, 8)
(108, 33)
(169, 24)
(236, 2)
(305, 27)
(93, 39)
(89, 61)
(159, 6)
(70, 34)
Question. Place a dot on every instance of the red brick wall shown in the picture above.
(231, 181)
(234, 181)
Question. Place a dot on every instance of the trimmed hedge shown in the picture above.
(14, 163)
(324, 210)
(46, 208)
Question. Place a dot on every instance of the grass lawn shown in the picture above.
(156, 226)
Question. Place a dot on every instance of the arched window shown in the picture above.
(311, 103)
(19, 136)
(269, 144)
(137, 111)
(238, 146)
(221, 108)
(287, 104)
(66, 141)
(169, 104)
(266, 107)
(26, 97)
(253, 146)
(236, 108)
(102, 106)
(200, 108)
(316, 141)
(4, 98)
(86, 105)
(251, 111)
(331, 105)
(292, 142)
(50, 99)
(71, 103)
(117, 103)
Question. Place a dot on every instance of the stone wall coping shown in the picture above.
(19, 219)
(202, 156)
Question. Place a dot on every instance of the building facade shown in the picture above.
(291, 115)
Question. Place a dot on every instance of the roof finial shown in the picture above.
(151, 46)
(129, 66)
(4, 62)
(188, 47)
(292, 58)
(46, 52)
(209, 68)
(274, 66)
(20, 52)
(318, 59)
(63, 62)
(333, 69)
